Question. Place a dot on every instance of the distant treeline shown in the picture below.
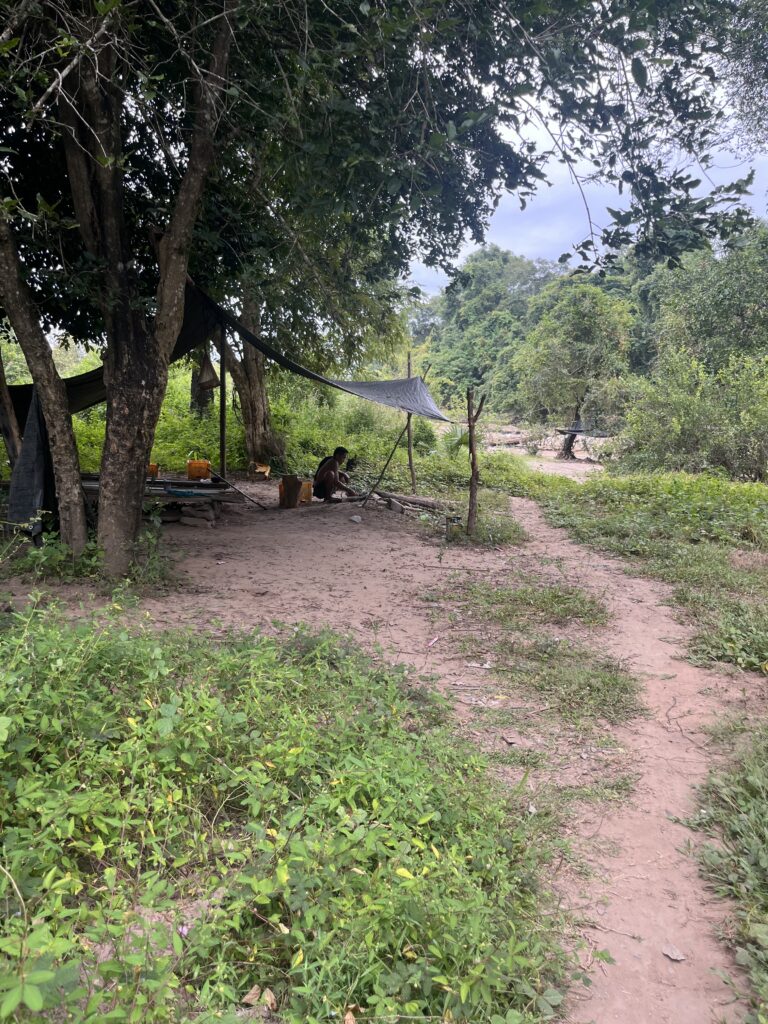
(673, 361)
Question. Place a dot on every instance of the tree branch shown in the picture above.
(175, 245)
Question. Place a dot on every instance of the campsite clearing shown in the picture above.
(613, 783)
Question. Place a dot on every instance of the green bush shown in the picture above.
(734, 809)
(179, 431)
(686, 417)
(189, 819)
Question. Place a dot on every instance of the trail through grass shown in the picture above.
(706, 536)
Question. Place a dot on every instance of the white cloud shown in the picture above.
(556, 218)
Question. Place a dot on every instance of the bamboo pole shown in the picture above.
(366, 499)
(473, 415)
(222, 401)
(409, 425)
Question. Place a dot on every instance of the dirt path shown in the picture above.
(645, 895)
(317, 565)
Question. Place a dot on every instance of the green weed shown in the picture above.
(189, 819)
(734, 811)
(537, 604)
(577, 684)
(698, 533)
(495, 524)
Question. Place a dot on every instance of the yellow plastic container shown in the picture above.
(305, 494)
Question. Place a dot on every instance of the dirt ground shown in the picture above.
(641, 893)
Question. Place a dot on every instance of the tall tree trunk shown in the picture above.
(19, 305)
(9, 426)
(137, 354)
(249, 377)
(566, 449)
(134, 398)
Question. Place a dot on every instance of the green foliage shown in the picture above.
(479, 316)
(190, 818)
(54, 559)
(538, 603)
(582, 341)
(704, 534)
(686, 417)
(456, 439)
(739, 636)
(713, 306)
(580, 685)
(495, 523)
(734, 811)
(179, 430)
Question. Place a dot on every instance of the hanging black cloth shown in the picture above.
(33, 486)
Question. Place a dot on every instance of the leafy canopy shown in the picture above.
(580, 344)
(392, 126)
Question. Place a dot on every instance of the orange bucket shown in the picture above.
(198, 469)
(152, 470)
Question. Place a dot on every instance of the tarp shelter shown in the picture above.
(202, 318)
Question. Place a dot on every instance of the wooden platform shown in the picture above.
(167, 491)
(173, 491)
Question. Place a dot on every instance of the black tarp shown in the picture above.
(32, 484)
(33, 487)
(202, 316)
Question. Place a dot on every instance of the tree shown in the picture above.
(743, 66)
(715, 306)
(576, 348)
(480, 314)
(313, 293)
(124, 125)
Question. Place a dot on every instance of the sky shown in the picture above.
(556, 218)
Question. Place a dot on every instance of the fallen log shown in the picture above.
(412, 499)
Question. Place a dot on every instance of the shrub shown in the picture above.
(686, 417)
(734, 809)
(190, 819)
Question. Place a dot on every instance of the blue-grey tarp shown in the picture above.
(202, 316)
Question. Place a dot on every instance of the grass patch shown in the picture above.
(53, 560)
(191, 818)
(704, 535)
(577, 684)
(734, 811)
(537, 604)
(496, 526)
(580, 686)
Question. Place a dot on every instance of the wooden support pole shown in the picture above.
(473, 415)
(367, 498)
(409, 425)
(222, 401)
